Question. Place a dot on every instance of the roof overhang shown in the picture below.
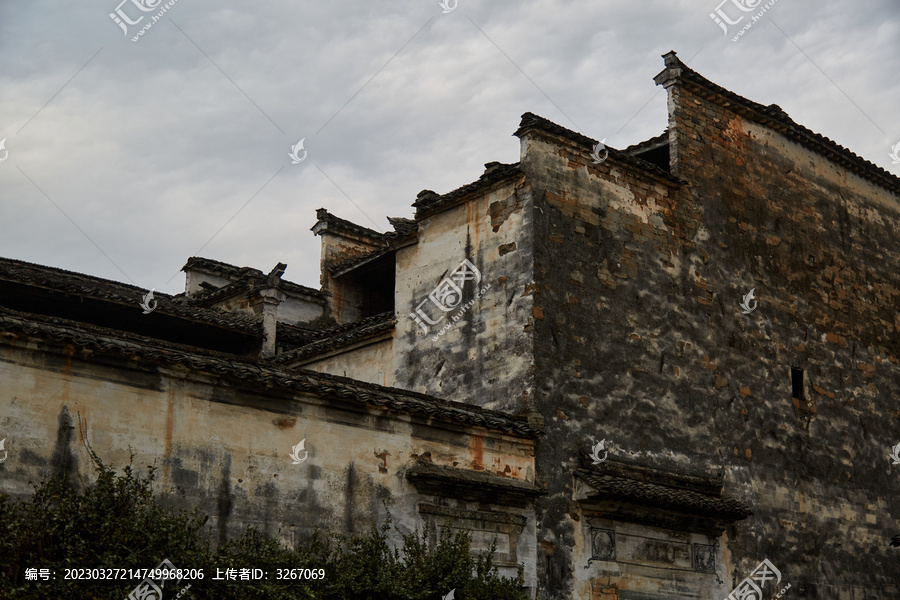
(649, 497)
(468, 485)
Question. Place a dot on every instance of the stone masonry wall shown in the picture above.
(605, 294)
(640, 339)
(821, 247)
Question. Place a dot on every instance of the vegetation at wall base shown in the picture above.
(116, 522)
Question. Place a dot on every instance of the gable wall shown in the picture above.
(643, 342)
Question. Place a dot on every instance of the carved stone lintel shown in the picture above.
(474, 515)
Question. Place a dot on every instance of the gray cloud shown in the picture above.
(151, 149)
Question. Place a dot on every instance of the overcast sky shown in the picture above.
(126, 158)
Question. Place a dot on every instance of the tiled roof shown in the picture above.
(111, 342)
(353, 261)
(218, 267)
(335, 337)
(774, 117)
(340, 224)
(296, 288)
(113, 291)
(653, 494)
(211, 296)
(532, 121)
(296, 335)
(468, 484)
(428, 201)
(402, 227)
(654, 142)
(123, 337)
(246, 279)
(404, 230)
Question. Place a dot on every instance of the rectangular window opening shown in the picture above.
(797, 383)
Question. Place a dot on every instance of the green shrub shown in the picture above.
(117, 522)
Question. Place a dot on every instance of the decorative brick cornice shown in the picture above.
(466, 484)
(661, 501)
(488, 516)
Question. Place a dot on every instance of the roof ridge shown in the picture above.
(323, 215)
(65, 272)
(217, 265)
(113, 291)
(675, 68)
(531, 120)
(494, 172)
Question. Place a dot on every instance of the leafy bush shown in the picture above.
(117, 523)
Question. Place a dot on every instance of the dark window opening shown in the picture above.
(797, 383)
(366, 290)
(659, 156)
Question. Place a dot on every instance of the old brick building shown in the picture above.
(478, 353)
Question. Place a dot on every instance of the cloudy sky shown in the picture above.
(127, 157)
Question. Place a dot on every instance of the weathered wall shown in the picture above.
(194, 277)
(299, 311)
(184, 423)
(485, 357)
(639, 339)
(651, 562)
(370, 360)
(820, 245)
(603, 282)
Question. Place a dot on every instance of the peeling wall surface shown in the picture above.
(225, 448)
(479, 351)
